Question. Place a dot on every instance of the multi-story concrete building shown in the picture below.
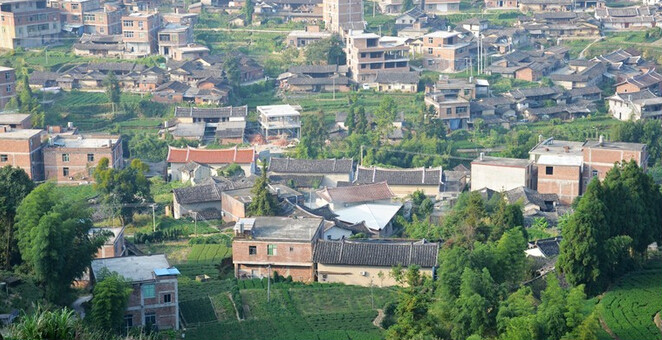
(278, 120)
(15, 121)
(501, 174)
(369, 54)
(445, 51)
(441, 6)
(263, 245)
(140, 32)
(22, 148)
(28, 24)
(7, 85)
(72, 158)
(174, 36)
(104, 21)
(72, 12)
(343, 15)
(154, 301)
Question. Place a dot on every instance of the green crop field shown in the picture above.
(629, 306)
(197, 311)
(209, 253)
(295, 311)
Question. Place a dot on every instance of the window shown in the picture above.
(128, 34)
(127, 23)
(291, 249)
(324, 277)
(88, 17)
(140, 24)
(328, 237)
(449, 111)
(150, 321)
(430, 50)
(167, 298)
(65, 171)
(128, 321)
(594, 173)
(65, 157)
(252, 250)
(461, 109)
(549, 170)
(90, 157)
(271, 250)
(8, 88)
(7, 75)
(430, 41)
(148, 291)
(4, 158)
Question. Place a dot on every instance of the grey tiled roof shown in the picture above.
(217, 112)
(397, 78)
(376, 253)
(311, 166)
(530, 196)
(429, 176)
(208, 192)
(549, 247)
(313, 69)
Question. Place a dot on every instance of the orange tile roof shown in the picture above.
(215, 156)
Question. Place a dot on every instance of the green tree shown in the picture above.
(407, 5)
(232, 69)
(314, 136)
(350, 121)
(263, 203)
(475, 309)
(574, 314)
(111, 296)
(517, 305)
(112, 88)
(15, 184)
(413, 319)
(53, 237)
(506, 217)
(326, 51)
(510, 257)
(361, 120)
(248, 11)
(552, 309)
(123, 190)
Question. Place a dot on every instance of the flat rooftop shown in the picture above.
(3, 68)
(12, 118)
(502, 161)
(278, 110)
(20, 134)
(552, 146)
(286, 228)
(442, 34)
(133, 268)
(83, 141)
(615, 145)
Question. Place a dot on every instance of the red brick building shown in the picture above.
(72, 158)
(263, 245)
(114, 245)
(600, 156)
(7, 85)
(154, 300)
(22, 148)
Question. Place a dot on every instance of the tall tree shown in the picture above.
(111, 296)
(361, 120)
(123, 190)
(327, 51)
(112, 88)
(552, 309)
(407, 5)
(263, 203)
(350, 121)
(232, 69)
(53, 237)
(314, 136)
(248, 11)
(510, 257)
(413, 320)
(15, 184)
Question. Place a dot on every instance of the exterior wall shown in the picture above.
(176, 173)
(442, 54)
(329, 180)
(103, 22)
(499, 178)
(167, 313)
(29, 24)
(406, 190)
(180, 210)
(603, 160)
(80, 169)
(359, 275)
(526, 74)
(335, 13)
(140, 32)
(406, 88)
(365, 62)
(336, 233)
(622, 111)
(565, 181)
(112, 250)
(7, 85)
(232, 209)
(501, 4)
(25, 154)
(292, 258)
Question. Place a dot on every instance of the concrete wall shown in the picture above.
(565, 181)
(336, 233)
(352, 275)
(180, 210)
(498, 178)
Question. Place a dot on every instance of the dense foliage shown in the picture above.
(263, 203)
(123, 190)
(15, 184)
(111, 296)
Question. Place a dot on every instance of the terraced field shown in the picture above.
(629, 306)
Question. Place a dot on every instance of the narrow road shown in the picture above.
(221, 29)
(581, 54)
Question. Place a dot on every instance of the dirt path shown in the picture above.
(658, 321)
(236, 312)
(378, 320)
(608, 330)
(581, 54)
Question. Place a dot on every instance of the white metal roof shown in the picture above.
(278, 110)
(375, 216)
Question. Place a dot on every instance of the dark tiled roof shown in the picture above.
(647, 79)
(174, 85)
(581, 91)
(218, 112)
(357, 193)
(430, 176)
(209, 192)
(549, 247)
(376, 253)
(530, 196)
(311, 166)
(533, 92)
(319, 81)
(313, 69)
(397, 78)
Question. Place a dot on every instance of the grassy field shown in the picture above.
(296, 312)
(629, 306)
(208, 253)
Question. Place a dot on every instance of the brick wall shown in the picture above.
(294, 258)
(78, 165)
(565, 181)
(166, 312)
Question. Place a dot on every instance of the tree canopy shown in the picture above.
(15, 184)
(123, 190)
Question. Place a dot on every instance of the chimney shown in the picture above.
(166, 124)
(481, 156)
(448, 28)
(50, 141)
(70, 125)
(110, 143)
(471, 80)
(540, 138)
(566, 148)
(601, 140)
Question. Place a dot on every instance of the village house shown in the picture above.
(544, 5)
(303, 38)
(369, 54)
(589, 93)
(378, 217)
(544, 248)
(114, 245)
(533, 203)
(369, 262)
(627, 18)
(15, 121)
(501, 174)
(315, 78)
(203, 201)
(279, 120)
(341, 16)
(406, 82)
(28, 24)
(214, 158)
(501, 4)
(268, 244)
(235, 203)
(402, 182)
(560, 111)
(580, 74)
(224, 124)
(332, 170)
(445, 51)
(452, 108)
(154, 300)
(190, 52)
(99, 45)
(351, 195)
(172, 37)
(306, 11)
(22, 148)
(71, 159)
(536, 97)
(7, 86)
(650, 80)
(634, 106)
(140, 31)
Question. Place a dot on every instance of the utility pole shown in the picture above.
(361, 162)
(269, 284)
(153, 217)
(334, 88)
(195, 222)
